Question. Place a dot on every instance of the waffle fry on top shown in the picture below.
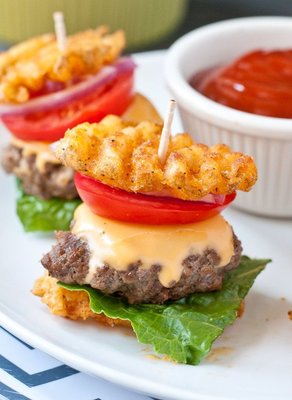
(124, 155)
(26, 68)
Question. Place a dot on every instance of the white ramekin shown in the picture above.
(267, 139)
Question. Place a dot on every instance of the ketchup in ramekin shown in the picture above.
(259, 82)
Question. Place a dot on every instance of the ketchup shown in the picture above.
(259, 82)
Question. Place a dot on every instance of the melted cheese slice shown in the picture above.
(41, 150)
(119, 244)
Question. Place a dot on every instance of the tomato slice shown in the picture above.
(50, 126)
(118, 204)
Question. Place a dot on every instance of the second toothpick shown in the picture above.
(166, 132)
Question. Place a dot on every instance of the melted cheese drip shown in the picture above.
(41, 150)
(119, 244)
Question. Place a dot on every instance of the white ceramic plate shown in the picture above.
(254, 360)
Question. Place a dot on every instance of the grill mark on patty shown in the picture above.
(55, 181)
(68, 261)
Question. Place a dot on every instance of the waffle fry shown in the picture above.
(26, 68)
(125, 155)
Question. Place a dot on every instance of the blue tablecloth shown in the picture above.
(27, 373)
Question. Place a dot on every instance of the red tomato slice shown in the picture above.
(118, 204)
(50, 126)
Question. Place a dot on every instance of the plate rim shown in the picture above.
(110, 374)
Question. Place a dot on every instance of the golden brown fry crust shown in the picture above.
(70, 304)
(25, 68)
(125, 155)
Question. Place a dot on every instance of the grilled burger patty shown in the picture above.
(55, 180)
(68, 261)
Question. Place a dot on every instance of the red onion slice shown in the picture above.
(209, 198)
(213, 198)
(57, 99)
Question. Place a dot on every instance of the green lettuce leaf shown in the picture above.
(185, 329)
(44, 215)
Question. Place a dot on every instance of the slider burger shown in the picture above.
(148, 246)
(44, 90)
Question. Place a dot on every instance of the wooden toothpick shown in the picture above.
(60, 30)
(166, 130)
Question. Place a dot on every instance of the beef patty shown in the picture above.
(68, 261)
(55, 180)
